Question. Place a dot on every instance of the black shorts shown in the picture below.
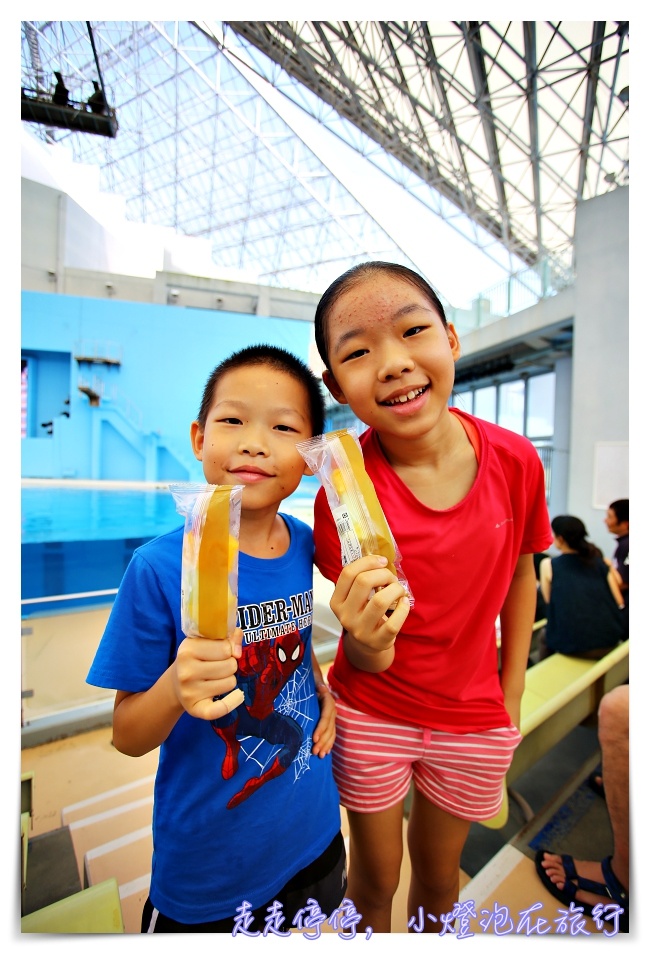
(324, 880)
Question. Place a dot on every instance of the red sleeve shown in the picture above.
(537, 532)
(326, 539)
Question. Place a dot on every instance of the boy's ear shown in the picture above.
(331, 384)
(308, 472)
(196, 437)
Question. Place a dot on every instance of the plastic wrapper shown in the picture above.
(210, 557)
(337, 460)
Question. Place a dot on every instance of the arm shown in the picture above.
(545, 578)
(616, 576)
(517, 616)
(614, 580)
(368, 632)
(325, 732)
(203, 669)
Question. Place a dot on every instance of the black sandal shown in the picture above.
(610, 887)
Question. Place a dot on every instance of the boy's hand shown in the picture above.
(205, 668)
(361, 612)
(325, 731)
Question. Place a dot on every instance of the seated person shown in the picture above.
(541, 609)
(606, 883)
(583, 596)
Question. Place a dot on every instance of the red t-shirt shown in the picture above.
(459, 563)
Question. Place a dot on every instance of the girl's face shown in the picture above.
(391, 357)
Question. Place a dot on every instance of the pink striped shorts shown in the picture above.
(374, 762)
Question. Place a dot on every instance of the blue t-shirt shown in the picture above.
(240, 804)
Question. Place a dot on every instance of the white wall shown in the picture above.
(561, 437)
(599, 404)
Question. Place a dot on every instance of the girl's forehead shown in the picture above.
(375, 298)
(378, 287)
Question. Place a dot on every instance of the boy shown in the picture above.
(617, 520)
(243, 811)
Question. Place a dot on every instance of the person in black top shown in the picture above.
(583, 595)
(617, 521)
(588, 884)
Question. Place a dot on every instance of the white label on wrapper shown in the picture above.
(350, 546)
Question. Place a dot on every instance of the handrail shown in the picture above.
(67, 596)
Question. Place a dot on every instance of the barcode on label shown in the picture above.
(350, 546)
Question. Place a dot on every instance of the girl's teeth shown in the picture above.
(406, 397)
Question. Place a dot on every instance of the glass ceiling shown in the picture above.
(496, 129)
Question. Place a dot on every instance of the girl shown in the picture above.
(419, 691)
(583, 595)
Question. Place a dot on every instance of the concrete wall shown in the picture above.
(561, 438)
(599, 406)
(590, 463)
(67, 250)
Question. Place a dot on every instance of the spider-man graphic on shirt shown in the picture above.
(264, 669)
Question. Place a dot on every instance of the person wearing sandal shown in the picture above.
(607, 882)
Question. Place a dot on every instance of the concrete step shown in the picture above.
(109, 799)
(96, 830)
(127, 858)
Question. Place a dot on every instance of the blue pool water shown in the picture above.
(80, 539)
(62, 514)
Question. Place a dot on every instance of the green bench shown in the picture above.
(561, 693)
(95, 910)
(26, 815)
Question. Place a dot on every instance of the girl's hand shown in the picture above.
(325, 731)
(205, 668)
(363, 599)
(512, 703)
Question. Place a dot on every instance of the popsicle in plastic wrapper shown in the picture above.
(210, 557)
(337, 460)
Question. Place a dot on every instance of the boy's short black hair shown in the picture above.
(280, 360)
(622, 509)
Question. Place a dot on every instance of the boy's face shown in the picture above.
(614, 525)
(257, 417)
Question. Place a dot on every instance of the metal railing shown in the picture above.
(545, 451)
(516, 293)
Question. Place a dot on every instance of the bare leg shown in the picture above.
(375, 861)
(613, 734)
(436, 840)
(614, 737)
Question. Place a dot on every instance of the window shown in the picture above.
(485, 403)
(526, 406)
(511, 406)
(540, 406)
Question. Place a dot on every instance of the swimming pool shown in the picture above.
(80, 538)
